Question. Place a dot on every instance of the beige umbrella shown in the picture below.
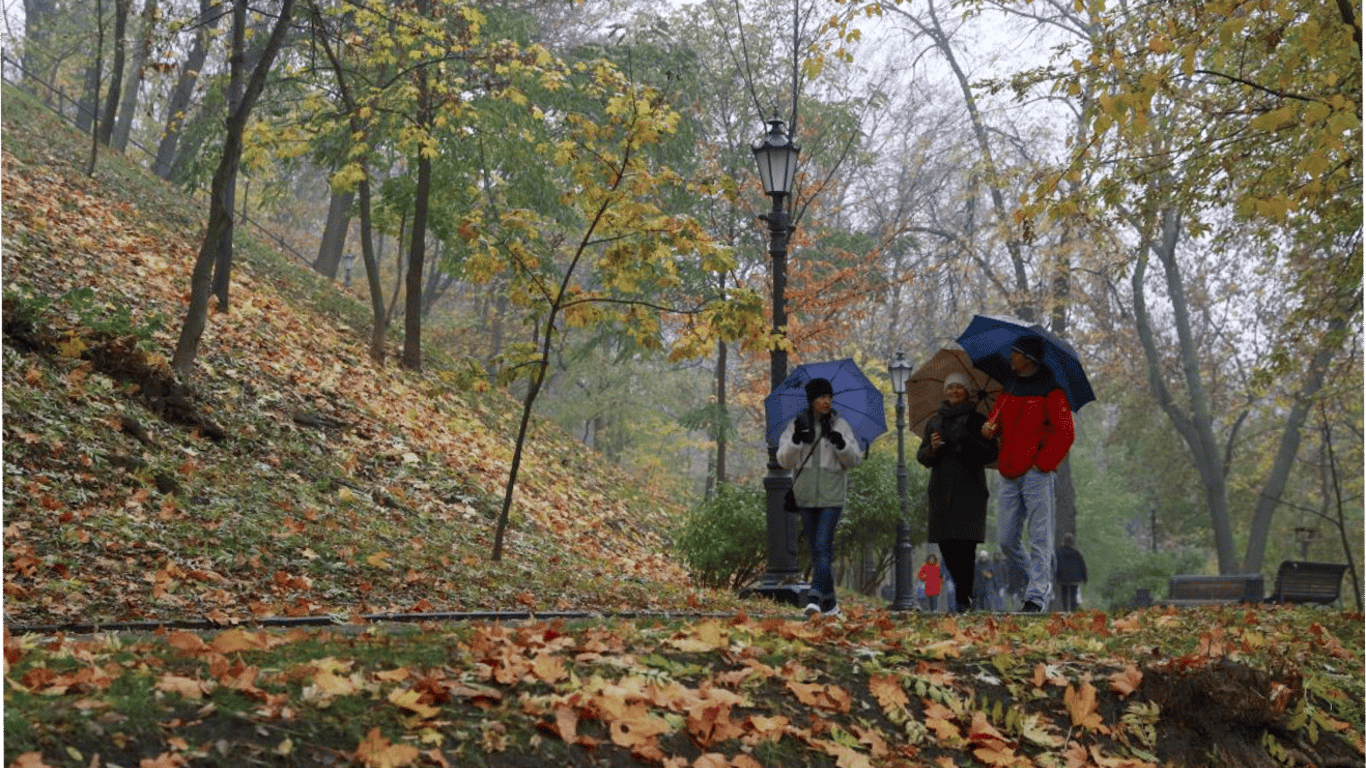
(925, 391)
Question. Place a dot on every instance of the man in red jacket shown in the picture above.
(1034, 421)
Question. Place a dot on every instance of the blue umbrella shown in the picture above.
(987, 341)
(855, 398)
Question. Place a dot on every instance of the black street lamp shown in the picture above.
(776, 156)
(900, 371)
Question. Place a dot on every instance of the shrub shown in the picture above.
(724, 540)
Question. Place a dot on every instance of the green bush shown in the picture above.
(724, 540)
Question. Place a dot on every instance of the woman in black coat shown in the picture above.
(957, 454)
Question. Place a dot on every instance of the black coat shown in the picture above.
(958, 479)
(1070, 565)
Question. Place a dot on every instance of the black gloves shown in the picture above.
(803, 431)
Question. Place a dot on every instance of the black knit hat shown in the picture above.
(817, 387)
(1031, 347)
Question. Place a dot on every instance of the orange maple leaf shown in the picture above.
(185, 686)
(1081, 706)
(185, 641)
(821, 696)
(996, 754)
(235, 640)
(636, 727)
(377, 751)
(768, 728)
(1126, 682)
(163, 760)
(982, 731)
(887, 690)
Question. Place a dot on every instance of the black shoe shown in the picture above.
(1031, 607)
(963, 607)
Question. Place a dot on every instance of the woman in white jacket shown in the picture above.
(819, 445)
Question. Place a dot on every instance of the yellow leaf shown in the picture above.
(331, 683)
(379, 560)
(72, 347)
(411, 701)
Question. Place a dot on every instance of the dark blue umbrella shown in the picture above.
(855, 398)
(987, 341)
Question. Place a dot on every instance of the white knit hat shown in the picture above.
(961, 379)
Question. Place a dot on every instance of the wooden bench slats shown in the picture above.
(1215, 589)
(1298, 581)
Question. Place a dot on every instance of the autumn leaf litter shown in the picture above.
(339, 488)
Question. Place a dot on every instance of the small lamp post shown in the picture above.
(1305, 536)
(776, 157)
(348, 261)
(900, 371)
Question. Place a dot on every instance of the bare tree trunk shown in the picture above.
(38, 16)
(181, 95)
(220, 209)
(722, 428)
(111, 101)
(222, 266)
(333, 241)
(89, 104)
(129, 105)
(417, 250)
(1195, 427)
(1269, 499)
(380, 327)
(93, 88)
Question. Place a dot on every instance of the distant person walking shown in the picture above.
(933, 580)
(1071, 572)
(820, 445)
(1034, 421)
(986, 588)
(957, 454)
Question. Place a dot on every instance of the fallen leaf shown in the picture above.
(376, 751)
(1126, 682)
(412, 701)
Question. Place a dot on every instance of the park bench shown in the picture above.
(1217, 589)
(1303, 582)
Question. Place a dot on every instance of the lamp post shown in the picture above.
(776, 157)
(348, 261)
(900, 371)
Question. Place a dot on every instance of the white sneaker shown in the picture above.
(834, 613)
(812, 608)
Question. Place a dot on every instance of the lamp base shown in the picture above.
(790, 594)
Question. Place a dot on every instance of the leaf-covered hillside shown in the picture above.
(290, 475)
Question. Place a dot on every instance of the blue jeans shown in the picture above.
(1025, 507)
(819, 524)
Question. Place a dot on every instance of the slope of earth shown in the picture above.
(289, 475)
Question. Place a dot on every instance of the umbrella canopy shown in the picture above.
(987, 341)
(925, 391)
(855, 398)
